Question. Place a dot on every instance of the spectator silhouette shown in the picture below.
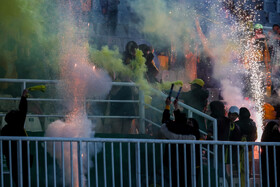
(197, 98)
(248, 133)
(184, 129)
(15, 127)
(270, 134)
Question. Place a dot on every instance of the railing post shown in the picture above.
(215, 137)
(23, 85)
(138, 165)
(1, 164)
(141, 112)
(193, 160)
(19, 162)
(80, 164)
(190, 114)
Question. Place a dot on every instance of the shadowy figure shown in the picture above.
(152, 70)
(15, 127)
(270, 134)
(181, 128)
(223, 129)
(130, 52)
(234, 135)
(197, 98)
(122, 125)
(248, 130)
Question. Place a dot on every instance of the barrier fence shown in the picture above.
(144, 108)
(136, 162)
(49, 162)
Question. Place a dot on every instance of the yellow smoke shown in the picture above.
(111, 61)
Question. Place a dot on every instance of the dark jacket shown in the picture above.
(196, 98)
(15, 120)
(15, 127)
(248, 130)
(180, 126)
(247, 126)
(223, 123)
(234, 135)
(270, 135)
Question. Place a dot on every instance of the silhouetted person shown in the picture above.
(197, 98)
(15, 127)
(152, 70)
(184, 129)
(123, 125)
(270, 134)
(130, 52)
(249, 134)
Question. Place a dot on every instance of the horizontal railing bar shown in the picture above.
(157, 125)
(186, 106)
(62, 116)
(122, 140)
(159, 93)
(154, 108)
(28, 81)
(56, 81)
(55, 100)
(116, 117)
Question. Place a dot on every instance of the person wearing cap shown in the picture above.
(257, 53)
(197, 98)
(258, 48)
(259, 42)
(233, 113)
(234, 135)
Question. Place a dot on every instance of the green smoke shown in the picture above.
(112, 62)
(28, 49)
(165, 22)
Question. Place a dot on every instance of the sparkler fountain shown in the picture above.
(79, 81)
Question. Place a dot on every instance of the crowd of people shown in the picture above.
(232, 125)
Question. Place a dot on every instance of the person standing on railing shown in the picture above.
(197, 98)
(15, 127)
(181, 128)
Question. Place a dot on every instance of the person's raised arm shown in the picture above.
(23, 106)
(166, 113)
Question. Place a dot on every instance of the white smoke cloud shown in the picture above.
(79, 81)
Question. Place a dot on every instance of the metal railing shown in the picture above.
(140, 101)
(142, 120)
(137, 162)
